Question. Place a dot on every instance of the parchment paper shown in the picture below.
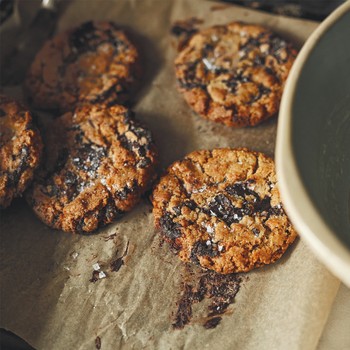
(46, 294)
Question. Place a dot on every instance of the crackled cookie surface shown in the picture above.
(20, 149)
(95, 62)
(99, 162)
(222, 210)
(234, 74)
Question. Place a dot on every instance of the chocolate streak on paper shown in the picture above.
(220, 290)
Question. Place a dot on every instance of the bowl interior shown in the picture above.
(321, 127)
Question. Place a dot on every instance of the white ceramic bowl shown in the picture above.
(313, 143)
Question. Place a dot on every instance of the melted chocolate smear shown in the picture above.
(219, 290)
(186, 27)
(222, 207)
(191, 80)
(82, 36)
(170, 228)
(15, 176)
(184, 30)
(89, 158)
(240, 189)
(124, 193)
(87, 38)
(201, 248)
(138, 147)
(212, 322)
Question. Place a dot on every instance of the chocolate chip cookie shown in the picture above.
(222, 210)
(234, 74)
(99, 163)
(20, 149)
(95, 62)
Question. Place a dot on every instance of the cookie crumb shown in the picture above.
(98, 343)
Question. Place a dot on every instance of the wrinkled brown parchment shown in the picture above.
(49, 295)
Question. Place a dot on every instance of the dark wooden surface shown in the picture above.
(311, 9)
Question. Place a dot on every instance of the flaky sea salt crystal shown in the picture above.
(101, 275)
(208, 242)
(103, 181)
(202, 189)
(74, 255)
(199, 190)
(220, 247)
(96, 267)
(209, 229)
(208, 64)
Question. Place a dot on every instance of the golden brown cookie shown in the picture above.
(99, 163)
(20, 149)
(94, 63)
(234, 74)
(222, 210)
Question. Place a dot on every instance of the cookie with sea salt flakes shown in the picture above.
(99, 163)
(95, 63)
(20, 149)
(221, 209)
(234, 74)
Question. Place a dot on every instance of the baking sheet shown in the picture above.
(47, 296)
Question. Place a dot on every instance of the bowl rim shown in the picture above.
(297, 202)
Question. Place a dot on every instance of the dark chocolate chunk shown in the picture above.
(94, 277)
(82, 37)
(201, 248)
(98, 343)
(116, 264)
(170, 228)
(223, 208)
(240, 189)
